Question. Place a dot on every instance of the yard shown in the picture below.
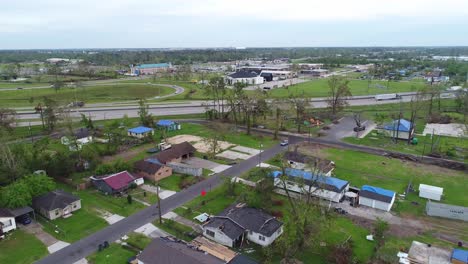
(448, 147)
(176, 181)
(176, 229)
(21, 248)
(114, 254)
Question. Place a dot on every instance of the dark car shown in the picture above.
(24, 219)
(361, 128)
(339, 210)
(19, 88)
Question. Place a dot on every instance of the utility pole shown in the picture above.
(159, 203)
(260, 155)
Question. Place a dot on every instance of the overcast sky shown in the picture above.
(32, 24)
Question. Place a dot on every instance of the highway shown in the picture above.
(118, 110)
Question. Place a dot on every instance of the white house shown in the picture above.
(56, 204)
(430, 192)
(249, 78)
(304, 182)
(237, 223)
(376, 197)
(7, 221)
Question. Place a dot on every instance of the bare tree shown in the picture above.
(7, 118)
(299, 104)
(416, 105)
(337, 94)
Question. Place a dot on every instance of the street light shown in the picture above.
(260, 155)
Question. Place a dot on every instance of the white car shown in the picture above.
(284, 143)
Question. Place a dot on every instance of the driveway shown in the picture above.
(201, 163)
(36, 229)
(345, 129)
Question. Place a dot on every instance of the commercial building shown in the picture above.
(149, 69)
(245, 77)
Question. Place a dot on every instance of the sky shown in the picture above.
(57, 24)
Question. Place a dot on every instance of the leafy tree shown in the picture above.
(39, 184)
(337, 94)
(109, 168)
(146, 118)
(15, 195)
(51, 113)
(87, 121)
(380, 227)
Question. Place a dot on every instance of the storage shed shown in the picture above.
(168, 125)
(400, 129)
(140, 132)
(430, 192)
(376, 197)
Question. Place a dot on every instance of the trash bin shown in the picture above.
(414, 141)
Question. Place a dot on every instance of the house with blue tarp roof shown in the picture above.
(459, 256)
(168, 125)
(140, 132)
(376, 197)
(300, 181)
(399, 128)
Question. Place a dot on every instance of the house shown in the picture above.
(81, 137)
(140, 132)
(237, 223)
(422, 253)
(168, 125)
(325, 187)
(151, 170)
(459, 256)
(246, 77)
(55, 204)
(168, 250)
(7, 221)
(430, 192)
(115, 183)
(149, 69)
(400, 129)
(300, 161)
(376, 197)
(176, 153)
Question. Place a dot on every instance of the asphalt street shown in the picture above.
(89, 244)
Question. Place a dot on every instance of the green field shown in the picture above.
(88, 94)
(114, 254)
(361, 168)
(21, 248)
(319, 88)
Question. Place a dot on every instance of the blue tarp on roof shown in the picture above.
(165, 123)
(306, 175)
(140, 130)
(154, 65)
(405, 125)
(460, 254)
(378, 190)
(154, 161)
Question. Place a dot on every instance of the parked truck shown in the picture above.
(380, 97)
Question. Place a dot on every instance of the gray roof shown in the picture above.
(243, 74)
(5, 213)
(167, 250)
(375, 196)
(242, 259)
(21, 211)
(54, 200)
(322, 165)
(247, 218)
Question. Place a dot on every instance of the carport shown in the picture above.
(18, 212)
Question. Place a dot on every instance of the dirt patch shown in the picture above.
(199, 143)
(125, 155)
(396, 230)
(183, 138)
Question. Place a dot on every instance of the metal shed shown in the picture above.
(430, 192)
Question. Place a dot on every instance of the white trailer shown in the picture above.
(394, 96)
(430, 192)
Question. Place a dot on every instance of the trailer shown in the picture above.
(380, 97)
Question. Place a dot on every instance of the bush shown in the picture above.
(278, 202)
(277, 213)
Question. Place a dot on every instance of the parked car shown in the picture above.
(361, 128)
(284, 143)
(19, 88)
(24, 219)
(339, 210)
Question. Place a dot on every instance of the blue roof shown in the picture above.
(378, 190)
(306, 175)
(154, 65)
(140, 130)
(460, 254)
(165, 123)
(405, 125)
(154, 161)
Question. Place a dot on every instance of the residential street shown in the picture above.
(88, 245)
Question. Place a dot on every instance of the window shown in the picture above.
(262, 238)
(7, 223)
(74, 206)
(56, 212)
(210, 233)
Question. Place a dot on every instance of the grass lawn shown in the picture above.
(88, 94)
(21, 248)
(175, 181)
(114, 254)
(319, 88)
(81, 224)
(138, 240)
(176, 229)
(361, 168)
(448, 147)
(138, 193)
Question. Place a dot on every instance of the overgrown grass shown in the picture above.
(138, 240)
(114, 254)
(21, 248)
(176, 229)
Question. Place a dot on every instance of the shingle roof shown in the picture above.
(376, 193)
(325, 182)
(243, 74)
(247, 218)
(146, 166)
(119, 180)
(176, 151)
(171, 251)
(57, 199)
(5, 213)
(140, 130)
(404, 126)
